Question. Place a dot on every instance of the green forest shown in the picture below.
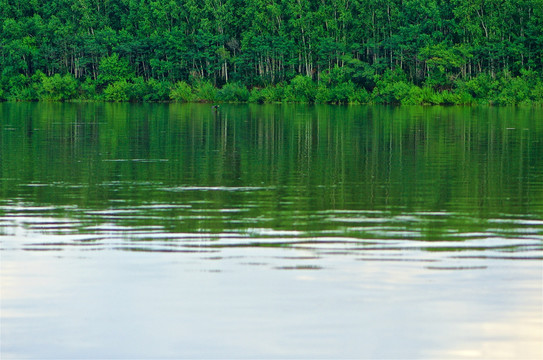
(266, 51)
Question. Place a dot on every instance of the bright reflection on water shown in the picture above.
(153, 231)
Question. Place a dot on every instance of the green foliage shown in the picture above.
(391, 88)
(360, 72)
(301, 89)
(430, 96)
(181, 92)
(536, 94)
(113, 68)
(157, 91)
(137, 90)
(525, 89)
(514, 91)
(257, 95)
(335, 76)
(24, 88)
(118, 91)
(233, 92)
(342, 93)
(270, 94)
(464, 98)
(483, 88)
(204, 91)
(59, 88)
(147, 91)
(415, 96)
(336, 87)
(324, 95)
(359, 51)
(444, 62)
(360, 96)
(88, 89)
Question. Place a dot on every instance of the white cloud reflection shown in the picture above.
(116, 304)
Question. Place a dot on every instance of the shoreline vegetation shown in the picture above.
(408, 52)
(391, 88)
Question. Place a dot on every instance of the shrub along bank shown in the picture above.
(390, 88)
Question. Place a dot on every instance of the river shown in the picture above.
(270, 231)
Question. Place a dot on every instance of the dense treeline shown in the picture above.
(326, 51)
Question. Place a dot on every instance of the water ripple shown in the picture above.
(195, 227)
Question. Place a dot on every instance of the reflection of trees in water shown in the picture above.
(332, 156)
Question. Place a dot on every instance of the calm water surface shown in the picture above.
(174, 231)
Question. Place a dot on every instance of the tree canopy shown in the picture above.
(388, 51)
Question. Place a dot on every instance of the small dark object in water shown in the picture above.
(215, 107)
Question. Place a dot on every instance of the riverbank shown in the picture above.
(334, 88)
